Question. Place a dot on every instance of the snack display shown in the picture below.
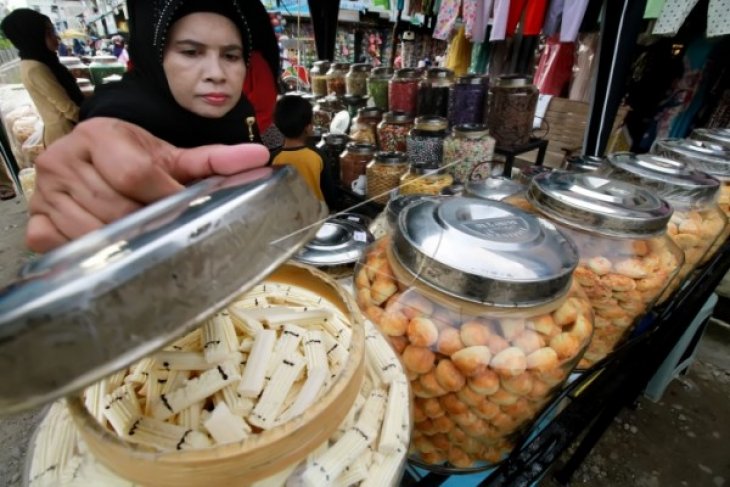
(626, 257)
(354, 161)
(384, 174)
(433, 92)
(403, 91)
(485, 343)
(365, 125)
(393, 131)
(425, 141)
(378, 87)
(318, 78)
(336, 79)
(469, 153)
(356, 80)
(424, 179)
(697, 223)
(512, 103)
(467, 100)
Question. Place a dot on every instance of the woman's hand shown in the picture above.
(107, 168)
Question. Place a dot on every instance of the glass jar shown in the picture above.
(356, 80)
(697, 222)
(433, 92)
(354, 103)
(354, 162)
(325, 110)
(512, 103)
(383, 175)
(365, 125)
(714, 136)
(469, 152)
(104, 66)
(467, 98)
(403, 91)
(332, 146)
(378, 83)
(487, 342)
(626, 257)
(318, 78)
(393, 131)
(424, 179)
(77, 68)
(336, 79)
(426, 140)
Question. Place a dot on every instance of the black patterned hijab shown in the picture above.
(143, 96)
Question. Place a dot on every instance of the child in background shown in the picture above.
(293, 117)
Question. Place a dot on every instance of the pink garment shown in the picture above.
(469, 14)
(448, 13)
(483, 12)
(499, 25)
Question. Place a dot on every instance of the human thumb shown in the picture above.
(187, 165)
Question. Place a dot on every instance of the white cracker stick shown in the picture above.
(275, 392)
(336, 353)
(334, 326)
(246, 345)
(291, 337)
(175, 379)
(326, 468)
(243, 321)
(309, 393)
(153, 388)
(354, 473)
(186, 361)
(189, 417)
(254, 374)
(196, 390)
(121, 408)
(235, 401)
(225, 427)
(70, 470)
(115, 380)
(188, 343)
(55, 445)
(140, 371)
(165, 436)
(279, 315)
(368, 420)
(94, 399)
(390, 434)
(314, 350)
(383, 471)
(219, 338)
(381, 356)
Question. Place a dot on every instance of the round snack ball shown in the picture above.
(485, 383)
(497, 344)
(511, 327)
(422, 332)
(469, 396)
(443, 424)
(431, 385)
(433, 458)
(382, 289)
(459, 458)
(545, 325)
(432, 408)
(565, 345)
(503, 398)
(393, 323)
(448, 376)
(520, 385)
(452, 404)
(440, 441)
(398, 343)
(418, 414)
(449, 341)
(472, 360)
(543, 359)
(520, 410)
(415, 305)
(540, 390)
(465, 419)
(487, 410)
(474, 333)
(509, 362)
(418, 359)
(528, 341)
(567, 312)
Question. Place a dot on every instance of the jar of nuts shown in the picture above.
(318, 78)
(383, 175)
(393, 131)
(626, 257)
(486, 342)
(336, 79)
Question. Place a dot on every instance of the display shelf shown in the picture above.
(595, 398)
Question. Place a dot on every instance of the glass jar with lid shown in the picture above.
(426, 140)
(467, 99)
(433, 92)
(378, 82)
(76, 67)
(469, 150)
(403, 91)
(383, 175)
(318, 78)
(365, 125)
(356, 80)
(104, 66)
(336, 79)
(424, 179)
(393, 131)
(512, 103)
(486, 342)
(325, 110)
(626, 257)
(354, 162)
(332, 146)
(697, 222)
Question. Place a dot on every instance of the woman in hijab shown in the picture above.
(189, 59)
(51, 86)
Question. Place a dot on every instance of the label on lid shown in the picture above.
(506, 229)
(360, 236)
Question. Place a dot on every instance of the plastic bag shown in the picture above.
(555, 67)
(33, 146)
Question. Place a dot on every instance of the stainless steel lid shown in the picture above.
(394, 157)
(397, 204)
(408, 74)
(530, 172)
(471, 130)
(439, 73)
(363, 220)
(381, 72)
(604, 206)
(340, 66)
(398, 117)
(336, 139)
(484, 251)
(370, 112)
(705, 157)
(583, 163)
(675, 181)
(512, 81)
(472, 79)
(110, 298)
(495, 189)
(431, 123)
(337, 242)
(322, 66)
(453, 190)
(355, 100)
(361, 68)
(361, 148)
(716, 136)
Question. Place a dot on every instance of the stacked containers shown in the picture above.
(357, 79)
(486, 342)
(697, 221)
(468, 147)
(403, 91)
(318, 78)
(512, 103)
(378, 87)
(433, 92)
(336, 79)
(393, 131)
(425, 141)
(626, 257)
(383, 175)
(467, 100)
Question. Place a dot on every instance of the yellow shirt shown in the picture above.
(308, 164)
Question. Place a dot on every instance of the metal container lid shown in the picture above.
(363, 220)
(398, 117)
(370, 112)
(716, 136)
(583, 163)
(530, 172)
(484, 251)
(454, 190)
(604, 206)
(675, 181)
(407, 74)
(339, 66)
(471, 131)
(382, 73)
(354, 100)
(361, 68)
(361, 148)
(512, 81)
(704, 157)
(112, 297)
(439, 73)
(385, 157)
(330, 103)
(336, 139)
(431, 123)
(495, 189)
(472, 79)
(337, 242)
(397, 204)
(321, 65)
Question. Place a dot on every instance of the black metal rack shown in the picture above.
(597, 397)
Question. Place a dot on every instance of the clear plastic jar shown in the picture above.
(426, 140)
(433, 92)
(403, 91)
(469, 152)
(332, 146)
(325, 110)
(697, 221)
(77, 68)
(356, 80)
(512, 103)
(393, 131)
(626, 257)
(365, 126)
(424, 179)
(383, 175)
(104, 66)
(467, 99)
(487, 342)
(354, 162)
(318, 78)
(336, 79)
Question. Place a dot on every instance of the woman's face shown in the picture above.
(204, 65)
(51, 37)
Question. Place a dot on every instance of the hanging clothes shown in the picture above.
(580, 87)
(480, 57)
(568, 14)
(534, 16)
(458, 56)
(469, 15)
(500, 18)
(718, 18)
(555, 67)
(448, 14)
(673, 15)
(481, 21)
